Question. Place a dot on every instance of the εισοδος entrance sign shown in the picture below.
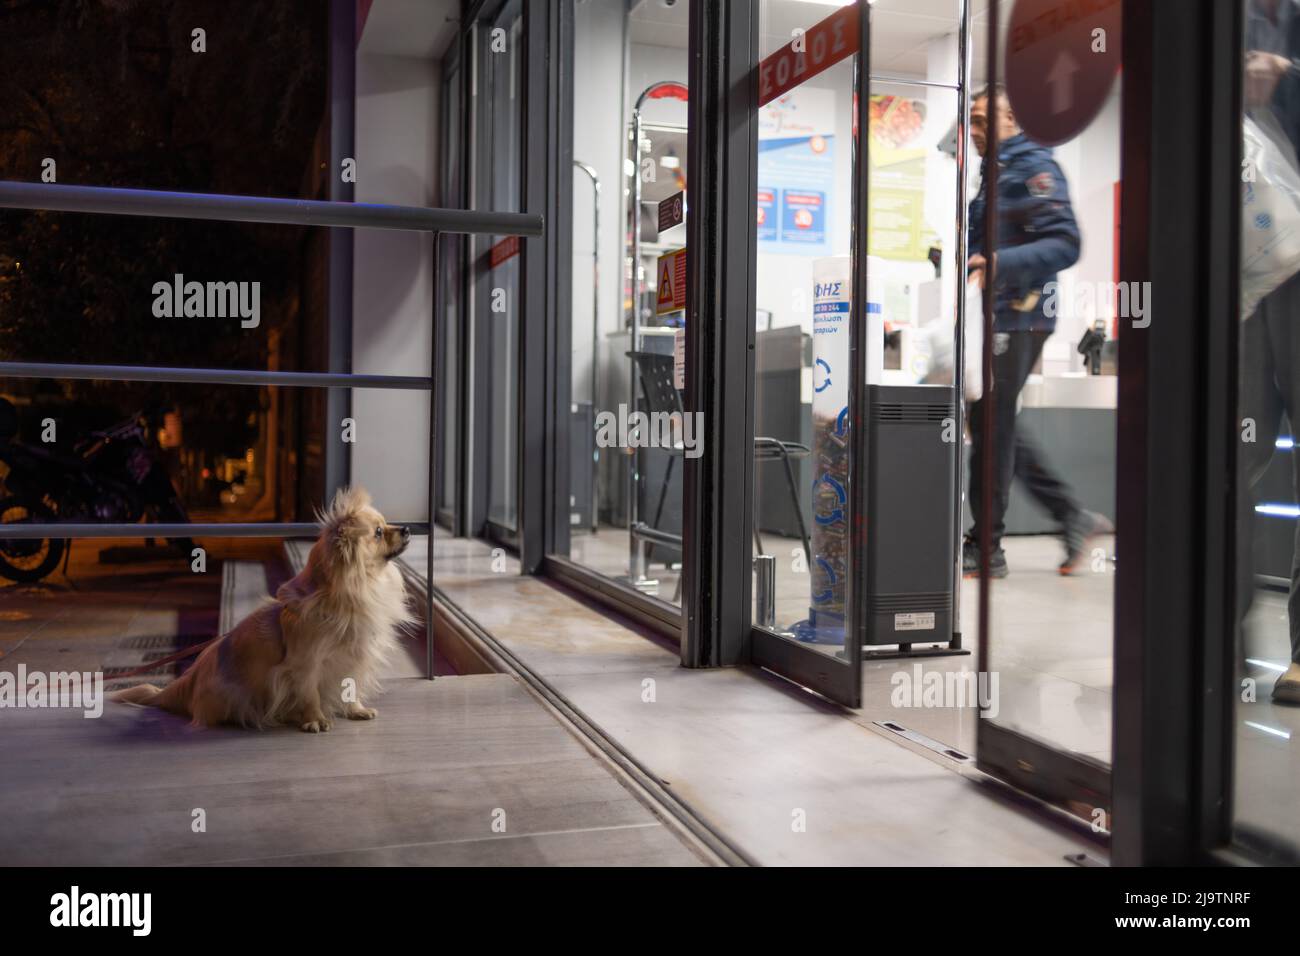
(818, 48)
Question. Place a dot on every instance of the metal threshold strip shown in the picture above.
(653, 789)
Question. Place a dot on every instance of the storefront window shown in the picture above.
(803, 209)
(1268, 611)
(1041, 469)
(627, 429)
(804, 549)
(499, 304)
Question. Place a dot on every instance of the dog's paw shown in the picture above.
(358, 712)
(318, 726)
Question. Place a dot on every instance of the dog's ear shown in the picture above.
(343, 541)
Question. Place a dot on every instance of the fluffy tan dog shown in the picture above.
(315, 651)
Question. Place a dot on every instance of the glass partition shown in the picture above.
(1041, 517)
(628, 433)
(1266, 771)
(801, 352)
(498, 308)
(809, 209)
(450, 292)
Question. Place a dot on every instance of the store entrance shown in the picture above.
(872, 359)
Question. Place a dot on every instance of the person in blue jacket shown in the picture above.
(1037, 237)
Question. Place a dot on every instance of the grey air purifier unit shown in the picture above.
(911, 536)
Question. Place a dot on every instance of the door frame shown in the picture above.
(1174, 599)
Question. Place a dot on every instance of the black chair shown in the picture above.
(773, 449)
(655, 371)
(659, 392)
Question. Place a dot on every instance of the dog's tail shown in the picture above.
(144, 694)
(175, 697)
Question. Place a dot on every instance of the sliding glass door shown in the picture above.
(814, 336)
(1042, 472)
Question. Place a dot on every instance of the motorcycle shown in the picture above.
(113, 475)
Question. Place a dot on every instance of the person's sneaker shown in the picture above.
(970, 560)
(1287, 688)
(1079, 531)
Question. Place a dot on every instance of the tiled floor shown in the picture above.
(1051, 648)
(465, 770)
(787, 779)
(1267, 772)
(1051, 643)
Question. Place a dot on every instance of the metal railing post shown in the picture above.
(429, 670)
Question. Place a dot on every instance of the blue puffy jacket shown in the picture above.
(1037, 232)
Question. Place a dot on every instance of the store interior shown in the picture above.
(1050, 635)
(1058, 675)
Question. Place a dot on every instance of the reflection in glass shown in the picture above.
(1267, 770)
(803, 209)
(629, 149)
(500, 304)
(1048, 423)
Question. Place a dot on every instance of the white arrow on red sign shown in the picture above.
(1061, 61)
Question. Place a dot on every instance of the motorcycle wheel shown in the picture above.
(28, 560)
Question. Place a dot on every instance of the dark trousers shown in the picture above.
(1015, 453)
(1270, 386)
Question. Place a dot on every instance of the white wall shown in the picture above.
(598, 131)
(397, 162)
(1090, 162)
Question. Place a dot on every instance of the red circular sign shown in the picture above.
(1061, 59)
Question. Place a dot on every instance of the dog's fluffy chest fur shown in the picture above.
(355, 633)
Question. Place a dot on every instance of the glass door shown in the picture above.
(1264, 719)
(450, 294)
(497, 42)
(815, 334)
(628, 434)
(1041, 545)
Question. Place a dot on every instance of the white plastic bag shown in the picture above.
(935, 346)
(973, 381)
(1270, 210)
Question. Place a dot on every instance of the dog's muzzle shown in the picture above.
(406, 540)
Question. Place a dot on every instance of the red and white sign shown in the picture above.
(820, 48)
(679, 359)
(671, 293)
(672, 211)
(1062, 57)
(505, 249)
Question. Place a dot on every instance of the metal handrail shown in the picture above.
(211, 376)
(295, 212)
(234, 529)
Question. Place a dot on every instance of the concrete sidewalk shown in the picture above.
(464, 770)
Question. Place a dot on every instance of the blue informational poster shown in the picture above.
(767, 217)
(803, 217)
(796, 172)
